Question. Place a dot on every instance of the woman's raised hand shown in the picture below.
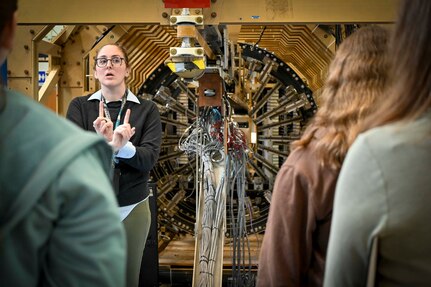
(122, 133)
(103, 125)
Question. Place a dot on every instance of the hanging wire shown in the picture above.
(260, 37)
(205, 138)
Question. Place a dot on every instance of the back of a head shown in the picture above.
(357, 76)
(410, 94)
(7, 9)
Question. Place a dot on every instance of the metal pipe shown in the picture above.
(171, 107)
(168, 143)
(291, 107)
(269, 113)
(248, 176)
(289, 94)
(185, 169)
(180, 84)
(283, 141)
(264, 77)
(163, 191)
(266, 70)
(171, 137)
(163, 96)
(277, 138)
(168, 182)
(174, 201)
(226, 48)
(170, 156)
(256, 95)
(280, 123)
(258, 170)
(238, 100)
(232, 67)
(252, 67)
(269, 166)
(263, 101)
(273, 150)
(172, 122)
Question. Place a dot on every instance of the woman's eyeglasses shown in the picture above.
(115, 61)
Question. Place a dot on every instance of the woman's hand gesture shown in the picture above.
(122, 133)
(103, 125)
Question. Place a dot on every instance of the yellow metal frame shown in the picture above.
(220, 12)
(71, 57)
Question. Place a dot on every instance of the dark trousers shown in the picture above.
(137, 225)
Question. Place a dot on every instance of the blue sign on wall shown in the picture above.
(42, 77)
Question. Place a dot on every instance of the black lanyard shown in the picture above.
(108, 115)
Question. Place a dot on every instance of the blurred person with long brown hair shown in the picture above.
(295, 241)
(381, 230)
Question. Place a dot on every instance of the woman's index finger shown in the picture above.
(127, 116)
(101, 109)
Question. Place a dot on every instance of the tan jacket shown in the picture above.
(297, 232)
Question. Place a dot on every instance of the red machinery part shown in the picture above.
(187, 3)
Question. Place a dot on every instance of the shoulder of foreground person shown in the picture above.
(29, 132)
(72, 187)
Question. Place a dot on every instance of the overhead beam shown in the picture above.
(220, 12)
(45, 47)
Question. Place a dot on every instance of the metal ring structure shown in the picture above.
(278, 105)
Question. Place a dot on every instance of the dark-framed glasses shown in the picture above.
(115, 61)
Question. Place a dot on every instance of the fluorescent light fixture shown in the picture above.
(253, 137)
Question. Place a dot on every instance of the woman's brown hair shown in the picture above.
(409, 96)
(357, 76)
